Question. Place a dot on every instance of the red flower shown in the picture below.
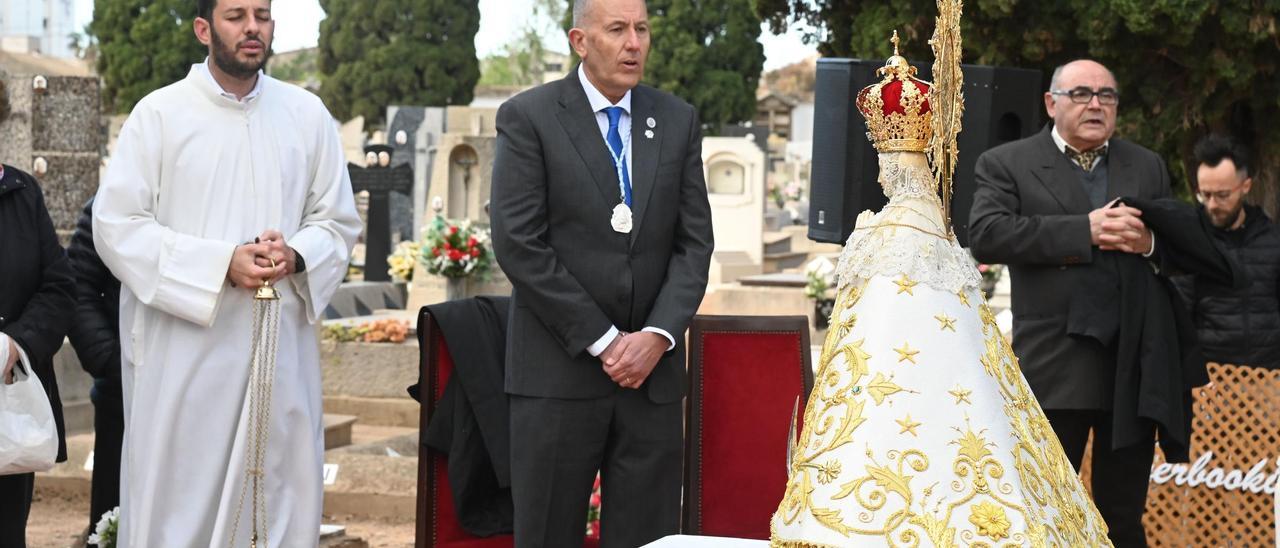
(983, 268)
(453, 230)
(475, 252)
(435, 252)
(455, 255)
(595, 499)
(597, 484)
(471, 242)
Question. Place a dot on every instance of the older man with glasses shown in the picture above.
(1045, 205)
(1236, 326)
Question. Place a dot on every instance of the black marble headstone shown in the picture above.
(381, 182)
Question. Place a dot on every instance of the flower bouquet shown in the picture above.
(104, 533)
(456, 249)
(401, 261)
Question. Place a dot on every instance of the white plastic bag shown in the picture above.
(28, 435)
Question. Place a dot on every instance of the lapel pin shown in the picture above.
(648, 134)
(651, 123)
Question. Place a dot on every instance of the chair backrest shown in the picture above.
(437, 519)
(747, 374)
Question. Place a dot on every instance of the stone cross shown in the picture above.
(380, 180)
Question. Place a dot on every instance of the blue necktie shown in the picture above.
(615, 142)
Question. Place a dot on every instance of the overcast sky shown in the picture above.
(298, 26)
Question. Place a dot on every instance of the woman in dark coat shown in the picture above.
(36, 308)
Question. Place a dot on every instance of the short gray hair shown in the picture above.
(1057, 73)
(580, 11)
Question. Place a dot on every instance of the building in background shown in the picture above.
(40, 27)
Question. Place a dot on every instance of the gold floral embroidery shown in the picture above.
(1031, 480)
(990, 520)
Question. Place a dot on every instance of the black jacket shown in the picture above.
(1241, 327)
(471, 420)
(95, 333)
(36, 283)
(1135, 313)
(1031, 212)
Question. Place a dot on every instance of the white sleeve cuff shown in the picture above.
(603, 342)
(671, 341)
(1153, 246)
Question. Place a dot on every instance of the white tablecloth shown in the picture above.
(688, 541)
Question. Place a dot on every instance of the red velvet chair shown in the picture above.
(437, 520)
(746, 375)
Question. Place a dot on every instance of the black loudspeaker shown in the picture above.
(1001, 105)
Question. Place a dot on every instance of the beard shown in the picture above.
(1225, 219)
(225, 57)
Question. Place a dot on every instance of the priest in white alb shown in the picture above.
(218, 182)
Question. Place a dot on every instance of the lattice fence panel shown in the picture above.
(1237, 418)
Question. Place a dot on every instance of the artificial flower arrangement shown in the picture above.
(456, 249)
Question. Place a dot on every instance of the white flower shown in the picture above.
(821, 266)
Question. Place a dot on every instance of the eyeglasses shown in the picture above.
(1220, 196)
(1083, 95)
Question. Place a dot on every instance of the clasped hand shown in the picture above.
(1119, 228)
(631, 357)
(267, 258)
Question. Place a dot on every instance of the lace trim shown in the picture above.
(901, 181)
(902, 239)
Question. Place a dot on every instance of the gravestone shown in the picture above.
(54, 131)
(380, 181)
(421, 129)
(735, 174)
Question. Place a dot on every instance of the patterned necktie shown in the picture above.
(1087, 159)
(615, 143)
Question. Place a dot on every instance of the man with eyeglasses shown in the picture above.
(1236, 326)
(1044, 206)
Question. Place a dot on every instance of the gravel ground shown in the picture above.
(59, 521)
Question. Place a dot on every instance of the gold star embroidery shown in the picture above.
(945, 322)
(908, 426)
(961, 395)
(905, 284)
(964, 299)
(906, 354)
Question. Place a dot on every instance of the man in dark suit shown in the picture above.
(1043, 206)
(601, 222)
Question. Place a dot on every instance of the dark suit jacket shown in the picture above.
(554, 189)
(1031, 213)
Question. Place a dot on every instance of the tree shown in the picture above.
(375, 53)
(142, 45)
(522, 60)
(708, 53)
(1184, 68)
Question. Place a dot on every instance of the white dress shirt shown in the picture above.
(598, 104)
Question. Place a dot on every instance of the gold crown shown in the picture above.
(897, 107)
